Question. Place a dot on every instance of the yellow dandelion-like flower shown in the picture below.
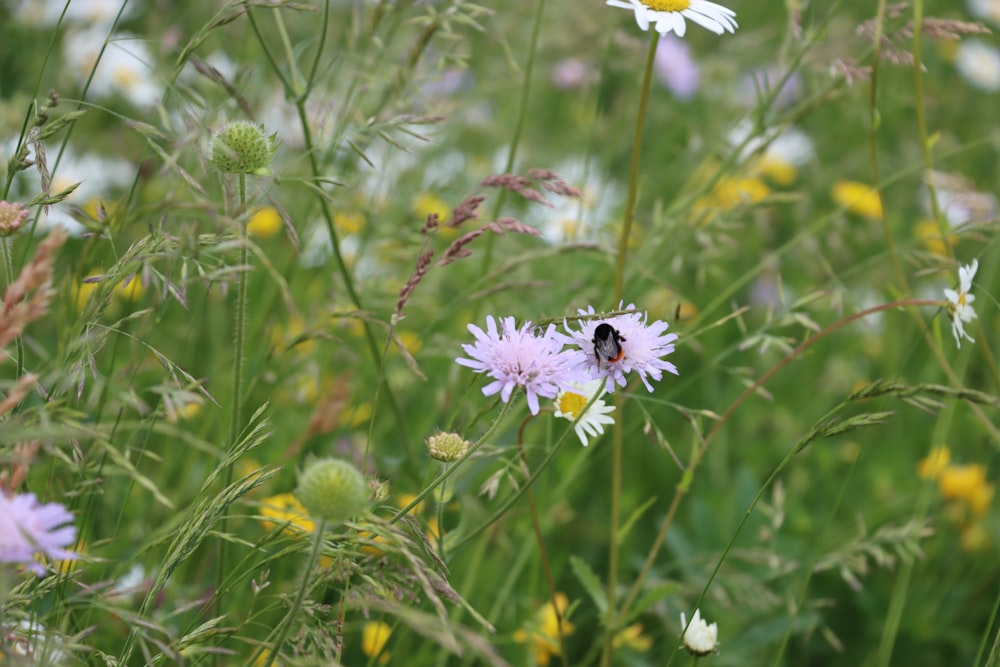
(285, 508)
(129, 289)
(928, 233)
(936, 461)
(962, 482)
(778, 170)
(84, 290)
(349, 222)
(374, 636)
(265, 223)
(859, 199)
(543, 635)
(632, 637)
(426, 203)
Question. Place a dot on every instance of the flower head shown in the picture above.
(374, 636)
(858, 198)
(960, 308)
(641, 347)
(447, 447)
(241, 147)
(27, 527)
(332, 490)
(285, 508)
(572, 404)
(520, 357)
(699, 638)
(544, 633)
(669, 15)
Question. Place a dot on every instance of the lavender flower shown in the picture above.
(642, 346)
(522, 357)
(27, 528)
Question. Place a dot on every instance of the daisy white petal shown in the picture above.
(960, 308)
(700, 638)
(570, 403)
(669, 15)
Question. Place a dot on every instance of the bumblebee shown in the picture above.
(608, 343)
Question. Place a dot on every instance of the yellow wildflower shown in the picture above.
(285, 508)
(349, 222)
(129, 289)
(632, 637)
(859, 199)
(427, 203)
(968, 484)
(374, 636)
(731, 192)
(404, 499)
(928, 233)
(544, 633)
(265, 223)
(85, 288)
(936, 461)
(779, 170)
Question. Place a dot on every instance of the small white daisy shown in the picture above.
(979, 64)
(570, 403)
(669, 15)
(699, 638)
(521, 357)
(639, 347)
(960, 308)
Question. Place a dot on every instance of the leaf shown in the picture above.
(590, 583)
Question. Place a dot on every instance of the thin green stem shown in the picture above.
(522, 114)
(633, 177)
(616, 449)
(235, 423)
(540, 539)
(688, 477)
(286, 622)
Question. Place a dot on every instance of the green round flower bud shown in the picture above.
(447, 447)
(332, 490)
(241, 147)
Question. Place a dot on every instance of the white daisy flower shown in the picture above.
(960, 308)
(669, 15)
(125, 67)
(985, 9)
(570, 403)
(621, 344)
(979, 64)
(699, 638)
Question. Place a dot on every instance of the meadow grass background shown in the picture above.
(849, 557)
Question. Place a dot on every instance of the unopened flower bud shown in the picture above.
(447, 447)
(241, 147)
(332, 490)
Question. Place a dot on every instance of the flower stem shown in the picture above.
(522, 114)
(616, 450)
(235, 423)
(546, 567)
(688, 477)
(286, 622)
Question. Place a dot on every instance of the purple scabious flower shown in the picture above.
(522, 357)
(642, 346)
(27, 527)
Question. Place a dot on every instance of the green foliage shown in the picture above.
(817, 478)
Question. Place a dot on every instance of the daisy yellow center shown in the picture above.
(668, 5)
(961, 299)
(572, 404)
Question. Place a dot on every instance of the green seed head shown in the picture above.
(241, 147)
(447, 447)
(332, 490)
